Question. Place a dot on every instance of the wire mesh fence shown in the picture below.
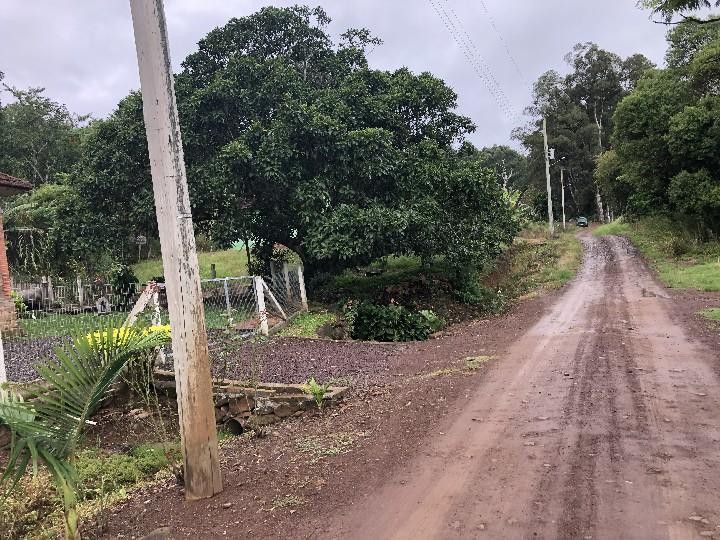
(49, 314)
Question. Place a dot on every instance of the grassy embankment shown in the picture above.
(679, 260)
(532, 265)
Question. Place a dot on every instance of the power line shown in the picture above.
(485, 65)
(492, 88)
(479, 65)
(494, 26)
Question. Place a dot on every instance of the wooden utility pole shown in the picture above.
(551, 225)
(177, 239)
(562, 193)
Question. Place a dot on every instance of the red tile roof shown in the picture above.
(8, 181)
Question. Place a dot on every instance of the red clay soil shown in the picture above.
(597, 419)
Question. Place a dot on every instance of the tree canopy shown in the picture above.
(579, 111)
(684, 8)
(293, 139)
(667, 133)
(39, 138)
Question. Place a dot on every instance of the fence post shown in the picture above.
(80, 292)
(273, 275)
(3, 373)
(286, 278)
(213, 271)
(262, 312)
(51, 291)
(301, 283)
(228, 306)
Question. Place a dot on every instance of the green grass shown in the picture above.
(713, 314)
(679, 259)
(533, 265)
(57, 325)
(228, 263)
(33, 510)
(307, 324)
(68, 325)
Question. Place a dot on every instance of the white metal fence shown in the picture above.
(50, 313)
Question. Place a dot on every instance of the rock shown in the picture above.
(283, 410)
(227, 505)
(237, 406)
(695, 518)
(163, 533)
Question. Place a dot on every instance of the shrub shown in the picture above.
(488, 300)
(386, 323)
(20, 307)
(317, 390)
(436, 323)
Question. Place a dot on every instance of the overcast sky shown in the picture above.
(82, 51)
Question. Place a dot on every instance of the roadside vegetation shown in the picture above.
(33, 510)
(675, 253)
(400, 298)
(713, 314)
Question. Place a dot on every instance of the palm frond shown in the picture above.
(48, 427)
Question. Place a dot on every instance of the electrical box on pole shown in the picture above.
(196, 410)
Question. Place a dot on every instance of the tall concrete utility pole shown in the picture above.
(177, 239)
(551, 225)
(562, 193)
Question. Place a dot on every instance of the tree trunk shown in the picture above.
(598, 197)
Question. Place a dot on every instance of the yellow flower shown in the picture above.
(124, 331)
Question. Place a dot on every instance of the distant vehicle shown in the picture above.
(582, 222)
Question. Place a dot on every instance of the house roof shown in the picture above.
(9, 185)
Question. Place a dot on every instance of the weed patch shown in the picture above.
(473, 363)
(320, 446)
(288, 501)
(307, 324)
(713, 314)
(33, 510)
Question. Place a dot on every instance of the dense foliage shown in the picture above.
(39, 138)
(389, 323)
(579, 110)
(684, 8)
(667, 134)
(291, 139)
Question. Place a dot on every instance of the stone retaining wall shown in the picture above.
(240, 407)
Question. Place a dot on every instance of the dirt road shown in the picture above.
(602, 421)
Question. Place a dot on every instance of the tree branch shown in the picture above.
(688, 19)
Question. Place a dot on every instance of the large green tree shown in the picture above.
(667, 132)
(292, 139)
(39, 137)
(579, 111)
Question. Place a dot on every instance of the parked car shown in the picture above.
(582, 222)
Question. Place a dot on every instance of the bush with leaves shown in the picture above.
(372, 322)
(47, 427)
(489, 301)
